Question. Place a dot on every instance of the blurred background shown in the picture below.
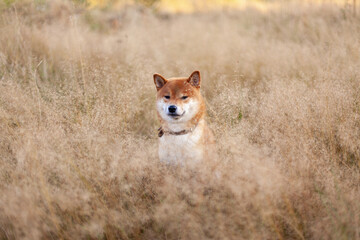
(78, 124)
(203, 5)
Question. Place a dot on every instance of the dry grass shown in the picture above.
(78, 144)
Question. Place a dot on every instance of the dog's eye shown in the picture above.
(184, 97)
(167, 97)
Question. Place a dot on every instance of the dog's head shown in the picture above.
(178, 99)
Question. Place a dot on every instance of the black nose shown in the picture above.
(172, 108)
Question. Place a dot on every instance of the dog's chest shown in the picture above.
(180, 149)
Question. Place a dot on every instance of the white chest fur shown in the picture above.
(182, 149)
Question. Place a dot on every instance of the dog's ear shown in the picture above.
(194, 79)
(159, 81)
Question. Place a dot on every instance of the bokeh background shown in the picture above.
(78, 139)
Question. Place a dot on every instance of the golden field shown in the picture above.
(78, 140)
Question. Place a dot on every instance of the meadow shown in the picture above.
(78, 125)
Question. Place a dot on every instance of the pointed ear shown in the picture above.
(159, 81)
(194, 79)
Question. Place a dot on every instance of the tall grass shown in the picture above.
(78, 143)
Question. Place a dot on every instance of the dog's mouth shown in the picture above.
(175, 115)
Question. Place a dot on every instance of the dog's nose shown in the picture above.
(172, 109)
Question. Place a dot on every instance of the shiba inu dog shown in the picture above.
(184, 137)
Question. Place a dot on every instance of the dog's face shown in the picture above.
(178, 100)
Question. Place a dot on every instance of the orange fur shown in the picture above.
(192, 146)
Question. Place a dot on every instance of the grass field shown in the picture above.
(78, 140)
